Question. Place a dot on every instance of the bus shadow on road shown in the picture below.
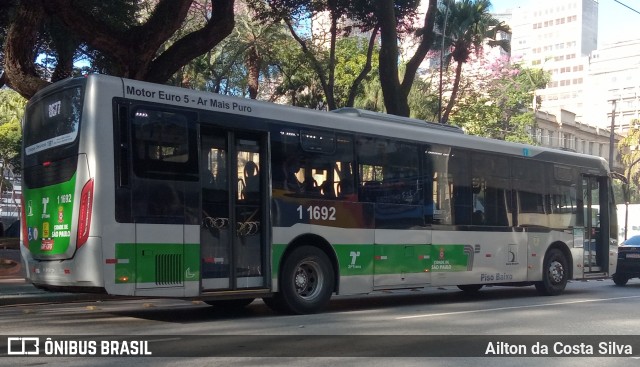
(439, 298)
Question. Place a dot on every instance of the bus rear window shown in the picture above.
(53, 120)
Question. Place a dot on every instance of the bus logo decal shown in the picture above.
(512, 254)
(354, 256)
(45, 201)
(45, 230)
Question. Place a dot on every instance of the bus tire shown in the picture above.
(306, 283)
(470, 288)
(554, 274)
(620, 280)
(230, 304)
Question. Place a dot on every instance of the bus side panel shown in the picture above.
(119, 255)
(539, 243)
(347, 227)
(478, 257)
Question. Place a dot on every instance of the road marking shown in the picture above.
(163, 340)
(514, 307)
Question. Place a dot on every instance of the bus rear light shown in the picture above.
(84, 218)
(46, 164)
(23, 223)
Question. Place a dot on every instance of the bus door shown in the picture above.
(234, 192)
(596, 221)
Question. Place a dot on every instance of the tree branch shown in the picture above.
(365, 70)
(20, 67)
(194, 44)
(315, 64)
(428, 36)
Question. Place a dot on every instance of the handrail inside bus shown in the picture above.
(396, 119)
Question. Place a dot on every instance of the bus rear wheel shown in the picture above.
(554, 274)
(306, 284)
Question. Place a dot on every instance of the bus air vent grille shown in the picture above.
(169, 269)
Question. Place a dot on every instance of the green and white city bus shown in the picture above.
(139, 189)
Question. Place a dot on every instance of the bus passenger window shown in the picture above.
(316, 164)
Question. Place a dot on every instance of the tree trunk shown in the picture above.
(428, 36)
(388, 67)
(454, 93)
(395, 94)
(253, 65)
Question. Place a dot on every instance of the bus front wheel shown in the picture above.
(307, 282)
(554, 274)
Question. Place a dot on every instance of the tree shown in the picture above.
(11, 110)
(495, 99)
(629, 150)
(395, 92)
(239, 64)
(342, 17)
(135, 47)
(468, 25)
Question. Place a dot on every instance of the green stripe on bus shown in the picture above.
(160, 263)
(382, 259)
(48, 213)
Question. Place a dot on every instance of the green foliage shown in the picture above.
(468, 25)
(423, 100)
(497, 102)
(226, 69)
(11, 111)
(371, 97)
(629, 150)
(351, 54)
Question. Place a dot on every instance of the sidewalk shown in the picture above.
(15, 290)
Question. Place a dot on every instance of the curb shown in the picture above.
(16, 291)
(30, 299)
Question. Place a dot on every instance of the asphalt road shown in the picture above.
(403, 328)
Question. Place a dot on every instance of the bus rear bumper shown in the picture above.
(80, 273)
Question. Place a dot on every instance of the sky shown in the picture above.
(616, 22)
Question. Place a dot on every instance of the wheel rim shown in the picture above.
(308, 279)
(556, 272)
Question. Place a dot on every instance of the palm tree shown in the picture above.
(467, 27)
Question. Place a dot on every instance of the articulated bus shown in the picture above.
(146, 190)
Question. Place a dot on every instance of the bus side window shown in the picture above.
(304, 165)
(439, 184)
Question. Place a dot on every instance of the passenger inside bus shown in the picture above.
(291, 167)
(251, 181)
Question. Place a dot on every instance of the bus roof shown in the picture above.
(346, 119)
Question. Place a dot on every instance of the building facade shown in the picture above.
(557, 36)
(612, 88)
(563, 131)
